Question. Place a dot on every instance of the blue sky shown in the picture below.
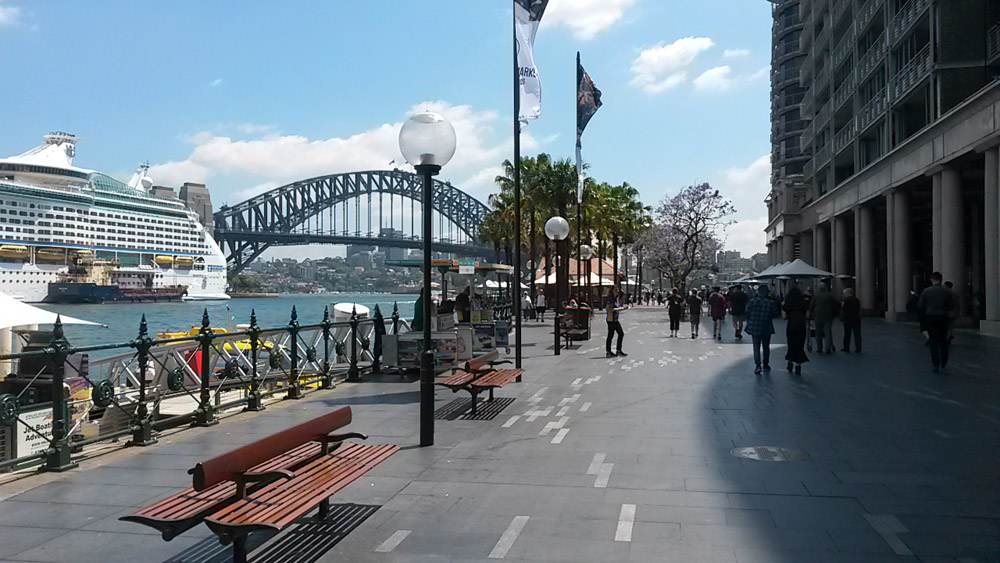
(248, 95)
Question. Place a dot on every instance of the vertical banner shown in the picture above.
(527, 15)
(588, 99)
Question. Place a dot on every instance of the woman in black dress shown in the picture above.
(675, 309)
(795, 333)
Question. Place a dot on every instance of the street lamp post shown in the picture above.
(557, 229)
(585, 254)
(427, 141)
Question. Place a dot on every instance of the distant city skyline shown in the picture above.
(250, 99)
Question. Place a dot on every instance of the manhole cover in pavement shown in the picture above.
(769, 453)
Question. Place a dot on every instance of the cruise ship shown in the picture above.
(54, 215)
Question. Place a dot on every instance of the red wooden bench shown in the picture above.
(267, 484)
(480, 374)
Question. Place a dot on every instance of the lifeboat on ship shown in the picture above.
(164, 259)
(14, 251)
(50, 254)
(183, 262)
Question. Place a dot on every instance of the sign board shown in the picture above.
(32, 442)
(466, 266)
(483, 337)
(502, 334)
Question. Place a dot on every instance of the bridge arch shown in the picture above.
(282, 216)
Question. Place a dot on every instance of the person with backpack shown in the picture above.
(717, 309)
(737, 300)
(675, 310)
(694, 309)
(760, 311)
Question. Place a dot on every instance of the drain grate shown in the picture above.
(769, 453)
(461, 409)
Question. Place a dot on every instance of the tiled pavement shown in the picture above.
(611, 460)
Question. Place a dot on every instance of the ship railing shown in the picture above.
(148, 385)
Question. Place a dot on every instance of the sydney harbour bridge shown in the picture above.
(377, 208)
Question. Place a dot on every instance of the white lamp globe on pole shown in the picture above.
(585, 252)
(557, 228)
(427, 139)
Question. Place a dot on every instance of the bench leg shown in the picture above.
(324, 509)
(491, 394)
(240, 549)
(474, 397)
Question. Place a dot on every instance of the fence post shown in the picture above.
(379, 330)
(58, 456)
(294, 392)
(395, 317)
(255, 402)
(327, 379)
(205, 415)
(142, 425)
(353, 374)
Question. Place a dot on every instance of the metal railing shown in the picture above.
(993, 44)
(918, 68)
(845, 136)
(845, 46)
(872, 57)
(873, 110)
(866, 12)
(844, 92)
(823, 155)
(908, 15)
(150, 384)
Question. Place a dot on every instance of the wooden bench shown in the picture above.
(569, 331)
(480, 374)
(266, 484)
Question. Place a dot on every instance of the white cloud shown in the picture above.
(721, 79)
(732, 53)
(9, 15)
(747, 236)
(270, 159)
(664, 66)
(586, 18)
(215, 82)
(746, 188)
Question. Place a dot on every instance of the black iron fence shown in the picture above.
(56, 401)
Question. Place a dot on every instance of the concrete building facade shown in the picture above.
(901, 114)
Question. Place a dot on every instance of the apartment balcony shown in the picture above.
(822, 39)
(919, 67)
(808, 134)
(993, 44)
(839, 7)
(823, 115)
(822, 79)
(906, 17)
(845, 136)
(844, 91)
(866, 13)
(871, 59)
(823, 156)
(808, 101)
(845, 46)
(873, 110)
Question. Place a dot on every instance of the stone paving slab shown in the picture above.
(624, 459)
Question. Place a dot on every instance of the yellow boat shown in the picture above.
(13, 251)
(164, 259)
(50, 254)
(81, 253)
(183, 261)
(243, 345)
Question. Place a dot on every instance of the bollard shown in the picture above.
(379, 330)
(255, 402)
(142, 424)
(395, 318)
(353, 373)
(326, 324)
(58, 456)
(294, 392)
(205, 415)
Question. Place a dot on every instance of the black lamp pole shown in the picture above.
(428, 171)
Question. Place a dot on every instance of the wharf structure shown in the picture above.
(885, 133)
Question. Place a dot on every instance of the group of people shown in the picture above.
(733, 303)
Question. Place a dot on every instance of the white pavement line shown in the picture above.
(509, 537)
(568, 400)
(887, 526)
(625, 520)
(540, 392)
(394, 540)
(942, 433)
(576, 387)
(549, 426)
(585, 407)
(577, 381)
(560, 435)
(596, 378)
(595, 465)
(510, 421)
(603, 475)
(533, 415)
(563, 411)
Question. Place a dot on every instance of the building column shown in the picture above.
(838, 250)
(936, 222)
(953, 234)
(991, 198)
(779, 250)
(821, 248)
(864, 255)
(806, 247)
(900, 258)
(787, 248)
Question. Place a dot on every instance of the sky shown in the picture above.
(247, 96)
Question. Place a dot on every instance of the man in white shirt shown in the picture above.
(540, 306)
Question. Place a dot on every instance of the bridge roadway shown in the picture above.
(603, 460)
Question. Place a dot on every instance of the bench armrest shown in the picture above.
(260, 476)
(501, 362)
(341, 437)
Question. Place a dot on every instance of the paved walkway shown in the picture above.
(625, 459)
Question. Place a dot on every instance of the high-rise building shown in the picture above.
(198, 199)
(896, 171)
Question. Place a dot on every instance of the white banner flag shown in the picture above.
(527, 15)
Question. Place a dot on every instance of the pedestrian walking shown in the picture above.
(526, 305)
(935, 305)
(675, 310)
(614, 307)
(795, 330)
(850, 313)
(694, 309)
(540, 306)
(737, 300)
(822, 310)
(760, 311)
(717, 309)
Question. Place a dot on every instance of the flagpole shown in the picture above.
(579, 179)
(517, 200)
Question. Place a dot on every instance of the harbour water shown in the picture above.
(122, 319)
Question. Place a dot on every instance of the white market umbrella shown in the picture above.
(15, 313)
(797, 269)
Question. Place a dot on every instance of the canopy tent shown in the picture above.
(770, 270)
(493, 284)
(15, 313)
(795, 269)
(594, 280)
